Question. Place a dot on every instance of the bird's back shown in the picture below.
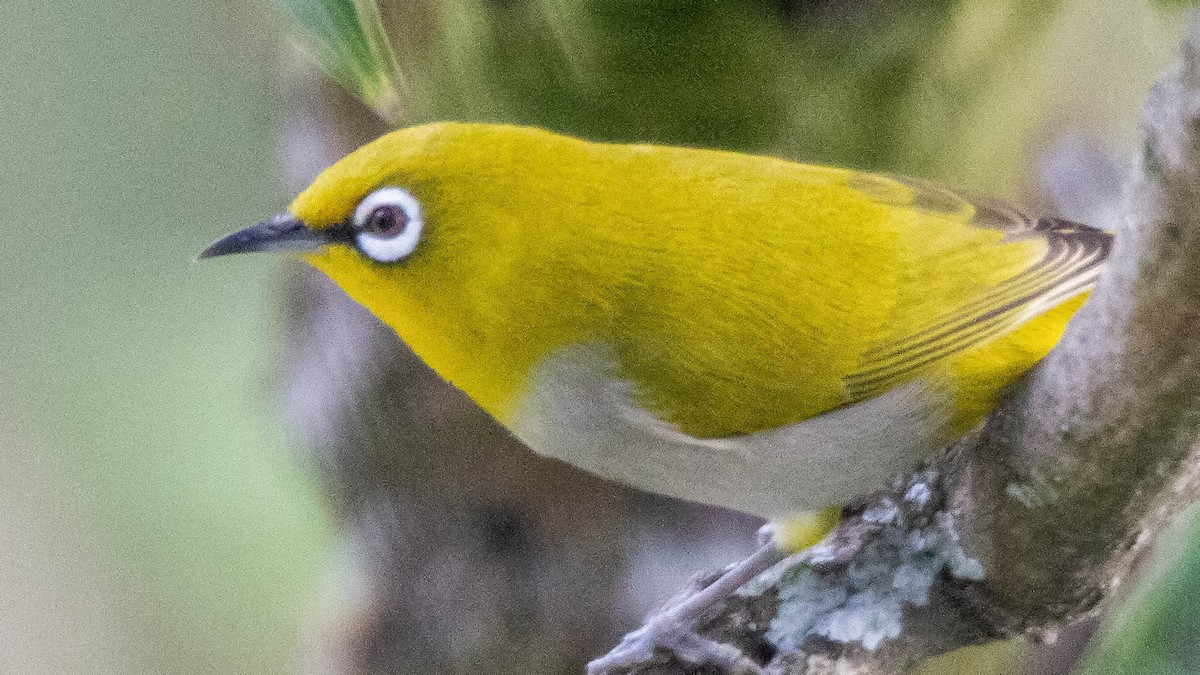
(738, 293)
(792, 290)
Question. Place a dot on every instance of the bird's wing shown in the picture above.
(1073, 256)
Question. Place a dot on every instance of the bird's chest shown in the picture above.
(574, 409)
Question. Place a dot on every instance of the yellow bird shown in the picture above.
(737, 330)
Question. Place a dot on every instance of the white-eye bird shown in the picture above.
(737, 330)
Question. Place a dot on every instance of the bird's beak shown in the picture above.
(284, 232)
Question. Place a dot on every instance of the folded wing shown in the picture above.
(1072, 256)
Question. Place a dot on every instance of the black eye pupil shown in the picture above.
(387, 220)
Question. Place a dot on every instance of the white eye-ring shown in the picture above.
(388, 224)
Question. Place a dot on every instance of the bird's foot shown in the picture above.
(678, 637)
(673, 629)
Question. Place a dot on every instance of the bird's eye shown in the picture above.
(386, 221)
(388, 224)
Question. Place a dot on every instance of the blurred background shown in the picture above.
(229, 468)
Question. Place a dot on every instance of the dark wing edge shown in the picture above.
(1074, 258)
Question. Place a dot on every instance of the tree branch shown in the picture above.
(1028, 524)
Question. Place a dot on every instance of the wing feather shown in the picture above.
(1074, 256)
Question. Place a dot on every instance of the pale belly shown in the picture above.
(577, 412)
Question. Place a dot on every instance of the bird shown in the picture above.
(733, 329)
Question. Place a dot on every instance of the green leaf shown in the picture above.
(347, 39)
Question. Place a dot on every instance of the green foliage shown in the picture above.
(908, 86)
(1155, 632)
(668, 71)
(726, 73)
(347, 39)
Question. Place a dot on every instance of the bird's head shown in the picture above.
(449, 233)
(408, 211)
